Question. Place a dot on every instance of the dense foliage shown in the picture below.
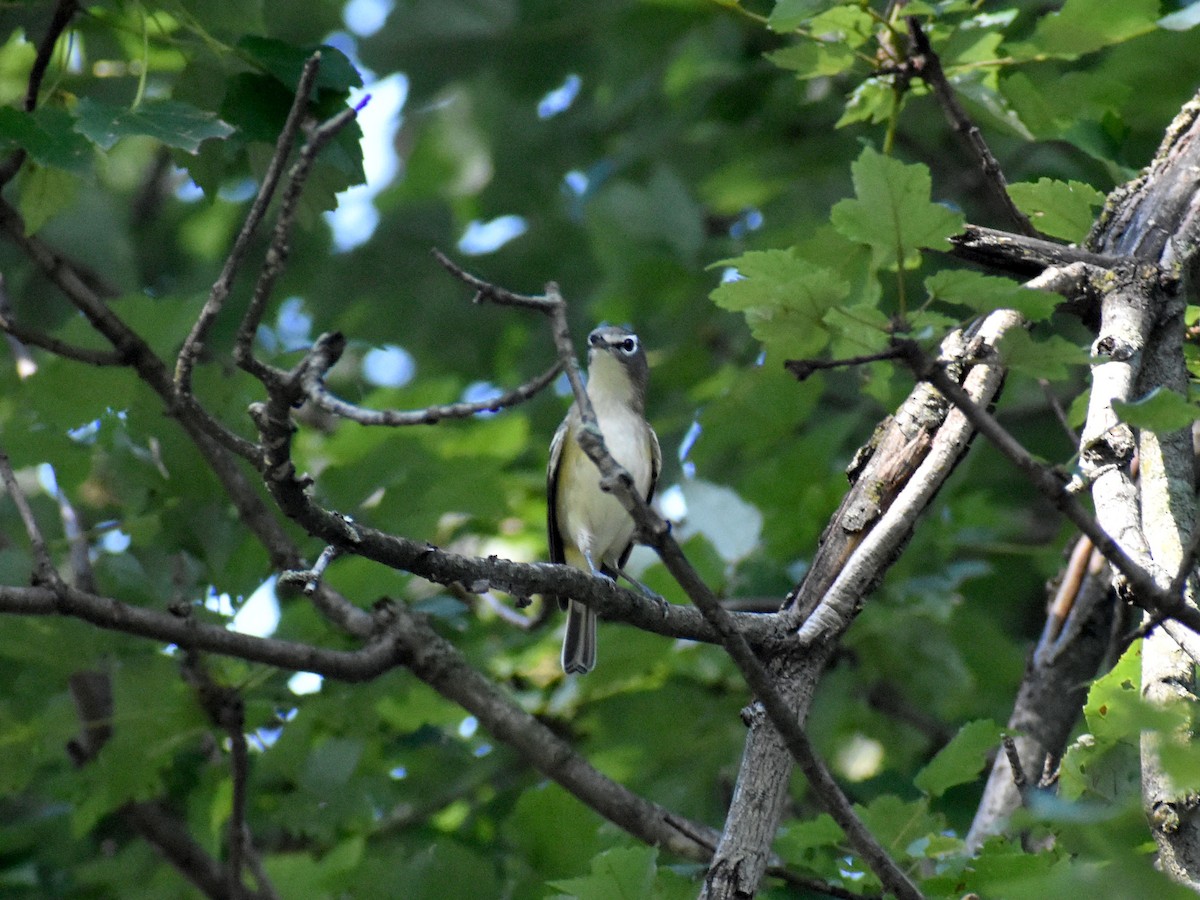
(745, 183)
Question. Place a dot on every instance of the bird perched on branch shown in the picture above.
(588, 527)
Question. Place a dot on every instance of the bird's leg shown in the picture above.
(645, 591)
(587, 555)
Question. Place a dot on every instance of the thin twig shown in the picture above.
(485, 291)
(1014, 763)
(64, 11)
(325, 354)
(83, 576)
(89, 355)
(193, 345)
(310, 579)
(805, 368)
(280, 247)
(44, 572)
(1060, 414)
(226, 710)
(929, 66)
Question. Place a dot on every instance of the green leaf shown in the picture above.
(873, 102)
(552, 830)
(47, 134)
(892, 212)
(331, 764)
(896, 823)
(1162, 410)
(961, 760)
(286, 62)
(984, 293)
(814, 59)
(173, 123)
(620, 872)
(1104, 762)
(1083, 26)
(784, 298)
(790, 14)
(1062, 209)
(1050, 358)
(797, 838)
(45, 192)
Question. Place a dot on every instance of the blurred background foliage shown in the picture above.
(626, 150)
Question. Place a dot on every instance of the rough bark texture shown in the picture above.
(879, 474)
(1052, 693)
(1155, 220)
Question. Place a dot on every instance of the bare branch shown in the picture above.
(1054, 486)
(53, 345)
(44, 572)
(487, 292)
(928, 65)
(193, 345)
(656, 532)
(436, 662)
(279, 248)
(327, 350)
(226, 710)
(844, 596)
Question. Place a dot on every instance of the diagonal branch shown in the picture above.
(44, 571)
(928, 65)
(279, 248)
(193, 345)
(656, 532)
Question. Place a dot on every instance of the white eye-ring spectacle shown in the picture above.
(629, 345)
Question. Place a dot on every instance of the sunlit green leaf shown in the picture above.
(1060, 209)
(621, 872)
(984, 293)
(892, 212)
(962, 759)
(1084, 26)
(784, 298)
(1160, 410)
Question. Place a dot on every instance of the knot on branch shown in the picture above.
(1115, 348)
(1115, 447)
(324, 355)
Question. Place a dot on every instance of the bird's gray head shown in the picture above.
(616, 363)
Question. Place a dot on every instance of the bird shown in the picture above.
(588, 528)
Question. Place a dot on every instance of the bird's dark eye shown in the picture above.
(628, 345)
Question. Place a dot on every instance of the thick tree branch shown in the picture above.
(477, 575)
(656, 532)
(1025, 256)
(844, 597)
(879, 473)
(1156, 220)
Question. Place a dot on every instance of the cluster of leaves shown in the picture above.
(701, 131)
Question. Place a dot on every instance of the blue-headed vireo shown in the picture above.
(588, 528)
